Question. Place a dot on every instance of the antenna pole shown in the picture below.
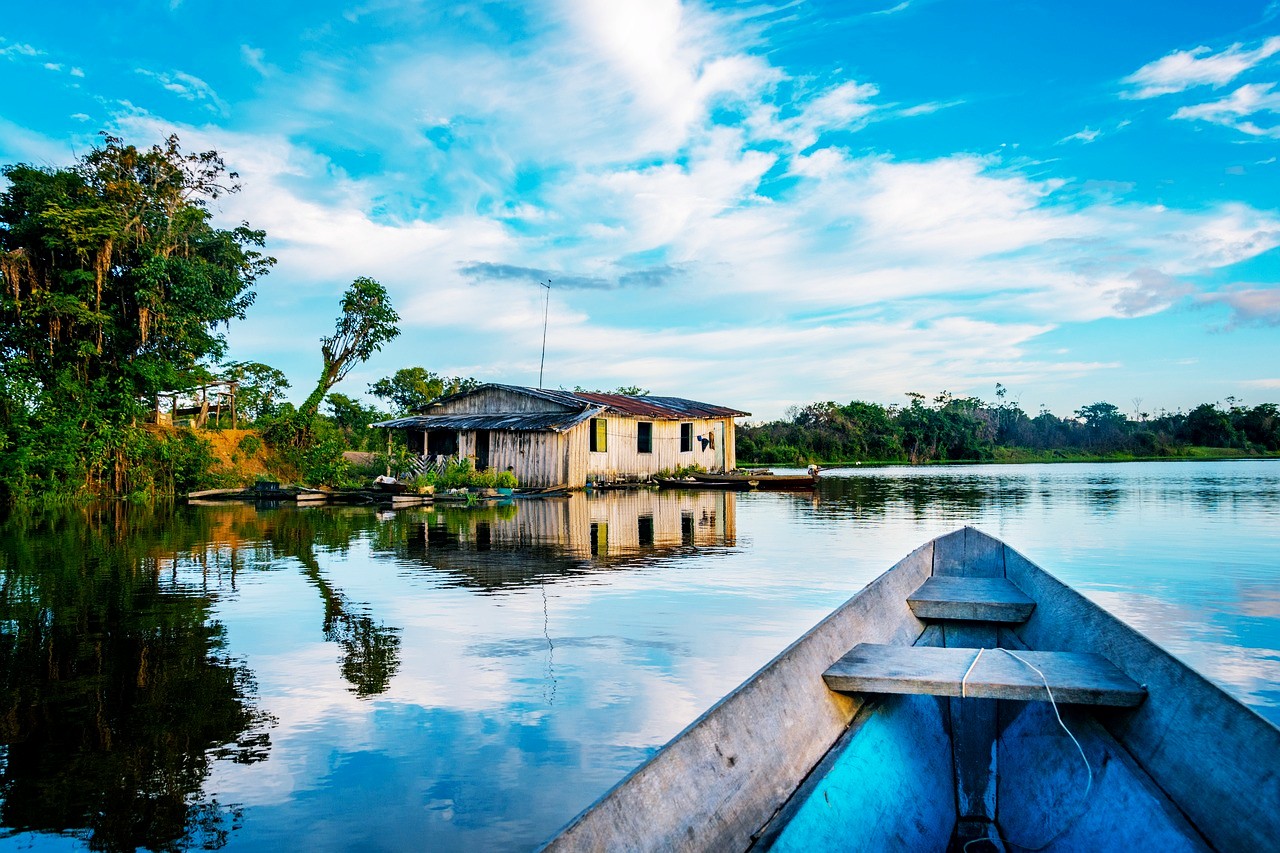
(546, 308)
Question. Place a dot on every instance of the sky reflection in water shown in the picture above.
(470, 679)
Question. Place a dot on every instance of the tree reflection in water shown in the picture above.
(117, 690)
(371, 650)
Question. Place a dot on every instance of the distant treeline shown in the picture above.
(967, 428)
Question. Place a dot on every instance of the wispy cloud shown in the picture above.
(18, 49)
(188, 87)
(254, 57)
(1250, 306)
(656, 276)
(1086, 136)
(1199, 66)
(1239, 109)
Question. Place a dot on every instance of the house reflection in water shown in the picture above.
(529, 541)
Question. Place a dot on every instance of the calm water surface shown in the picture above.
(463, 679)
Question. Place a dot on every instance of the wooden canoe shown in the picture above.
(731, 484)
(885, 728)
(764, 482)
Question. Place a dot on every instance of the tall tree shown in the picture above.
(114, 284)
(112, 268)
(412, 388)
(367, 323)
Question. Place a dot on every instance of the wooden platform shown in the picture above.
(971, 599)
(1080, 678)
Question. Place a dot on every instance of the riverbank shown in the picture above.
(1021, 456)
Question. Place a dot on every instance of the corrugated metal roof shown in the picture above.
(660, 407)
(553, 421)
(580, 406)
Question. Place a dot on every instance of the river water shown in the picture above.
(470, 678)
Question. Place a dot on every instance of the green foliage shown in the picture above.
(249, 444)
(366, 323)
(967, 429)
(456, 475)
(683, 471)
(423, 482)
(410, 389)
(113, 286)
(312, 446)
(461, 474)
(260, 386)
(352, 419)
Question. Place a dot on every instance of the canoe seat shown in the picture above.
(1081, 678)
(971, 599)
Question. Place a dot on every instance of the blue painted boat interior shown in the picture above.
(888, 784)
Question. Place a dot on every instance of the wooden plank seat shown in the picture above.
(971, 599)
(1080, 678)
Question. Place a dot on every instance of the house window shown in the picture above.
(686, 438)
(599, 435)
(644, 437)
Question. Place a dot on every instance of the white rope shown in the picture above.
(1087, 766)
(964, 682)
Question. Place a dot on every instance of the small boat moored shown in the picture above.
(964, 700)
(739, 484)
(764, 482)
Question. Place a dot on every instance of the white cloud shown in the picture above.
(1249, 305)
(1235, 109)
(19, 49)
(53, 66)
(656, 142)
(1086, 136)
(254, 58)
(188, 87)
(1199, 66)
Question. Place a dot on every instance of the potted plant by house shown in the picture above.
(505, 482)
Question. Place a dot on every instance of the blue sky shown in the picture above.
(757, 205)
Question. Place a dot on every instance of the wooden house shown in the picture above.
(565, 438)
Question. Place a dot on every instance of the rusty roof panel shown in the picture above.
(659, 407)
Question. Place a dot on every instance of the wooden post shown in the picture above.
(388, 451)
(235, 386)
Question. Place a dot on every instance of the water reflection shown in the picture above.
(921, 495)
(535, 541)
(476, 675)
(118, 691)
